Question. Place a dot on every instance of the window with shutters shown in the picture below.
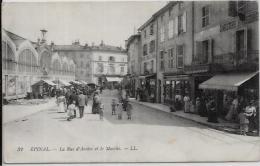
(145, 67)
(144, 50)
(170, 29)
(145, 34)
(162, 60)
(232, 8)
(170, 58)
(204, 50)
(151, 30)
(152, 46)
(162, 34)
(182, 23)
(170, 12)
(205, 16)
(180, 55)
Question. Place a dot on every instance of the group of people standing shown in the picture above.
(70, 100)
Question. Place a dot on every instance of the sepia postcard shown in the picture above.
(130, 82)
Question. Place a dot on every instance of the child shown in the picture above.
(120, 109)
(129, 110)
(113, 105)
(243, 122)
(71, 110)
(101, 111)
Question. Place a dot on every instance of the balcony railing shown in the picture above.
(224, 58)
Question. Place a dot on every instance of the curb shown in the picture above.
(201, 123)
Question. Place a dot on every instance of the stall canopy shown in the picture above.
(75, 82)
(83, 82)
(45, 81)
(114, 79)
(229, 82)
(63, 82)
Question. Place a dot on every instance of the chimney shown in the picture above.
(43, 40)
(52, 45)
(102, 43)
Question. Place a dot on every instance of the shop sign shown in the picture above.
(228, 26)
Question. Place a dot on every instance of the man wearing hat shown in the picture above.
(212, 111)
(251, 114)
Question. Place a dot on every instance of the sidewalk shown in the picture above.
(222, 125)
(15, 112)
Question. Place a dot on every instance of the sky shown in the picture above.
(112, 22)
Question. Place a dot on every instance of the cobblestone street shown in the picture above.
(146, 137)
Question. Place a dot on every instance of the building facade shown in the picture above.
(175, 49)
(25, 62)
(148, 59)
(109, 64)
(81, 55)
(133, 48)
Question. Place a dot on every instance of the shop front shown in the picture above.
(147, 90)
(176, 86)
(227, 89)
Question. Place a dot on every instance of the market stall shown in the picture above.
(42, 88)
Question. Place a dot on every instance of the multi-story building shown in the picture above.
(82, 57)
(175, 49)
(148, 59)
(199, 48)
(109, 64)
(226, 42)
(133, 48)
(25, 62)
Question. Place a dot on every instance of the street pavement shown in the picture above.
(151, 136)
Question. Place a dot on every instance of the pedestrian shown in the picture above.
(101, 89)
(186, 100)
(71, 110)
(137, 96)
(243, 122)
(251, 114)
(113, 106)
(120, 111)
(129, 108)
(82, 103)
(101, 111)
(96, 103)
(67, 97)
(74, 97)
(212, 111)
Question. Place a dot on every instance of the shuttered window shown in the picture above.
(205, 16)
(180, 55)
(170, 29)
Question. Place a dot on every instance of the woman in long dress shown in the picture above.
(61, 104)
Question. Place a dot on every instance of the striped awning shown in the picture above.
(229, 82)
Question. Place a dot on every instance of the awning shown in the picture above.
(45, 81)
(229, 82)
(147, 76)
(83, 82)
(114, 79)
(65, 83)
(75, 82)
(49, 82)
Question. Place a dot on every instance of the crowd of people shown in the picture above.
(72, 100)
